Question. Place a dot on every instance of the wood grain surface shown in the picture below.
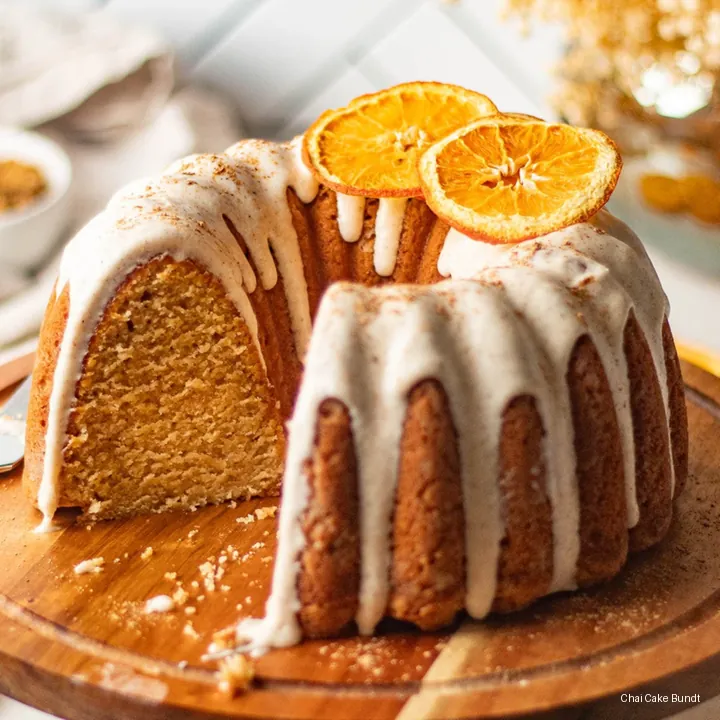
(82, 647)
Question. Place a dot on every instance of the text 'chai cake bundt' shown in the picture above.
(470, 443)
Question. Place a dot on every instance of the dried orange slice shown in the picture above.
(662, 192)
(702, 197)
(502, 180)
(520, 117)
(371, 147)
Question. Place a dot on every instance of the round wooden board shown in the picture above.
(80, 646)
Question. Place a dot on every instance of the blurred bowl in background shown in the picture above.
(28, 233)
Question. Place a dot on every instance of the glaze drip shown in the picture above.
(350, 215)
(388, 227)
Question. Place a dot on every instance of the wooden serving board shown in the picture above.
(80, 646)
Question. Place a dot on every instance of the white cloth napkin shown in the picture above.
(53, 62)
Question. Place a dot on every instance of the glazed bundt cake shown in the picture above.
(534, 413)
(468, 443)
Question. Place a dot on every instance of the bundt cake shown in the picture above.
(534, 413)
(469, 443)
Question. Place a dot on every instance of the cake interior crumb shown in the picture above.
(235, 673)
(146, 553)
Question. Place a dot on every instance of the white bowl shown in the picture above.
(27, 234)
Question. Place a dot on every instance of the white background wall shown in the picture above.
(284, 61)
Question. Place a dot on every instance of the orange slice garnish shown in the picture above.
(520, 117)
(372, 146)
(503, 180)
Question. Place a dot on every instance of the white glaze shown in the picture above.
(388, 228)
(524, 317)
(350, 216)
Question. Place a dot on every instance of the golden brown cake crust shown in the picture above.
(274, 334)
(51, 334)
(309, 250)
(428, 529)
(331, 255)
(413, 253)
(678, 410)
(331, 259)
(599, 467)
(329, 581)
(653, 481)
(525, 566)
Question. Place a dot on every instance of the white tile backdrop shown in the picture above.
(283, 61)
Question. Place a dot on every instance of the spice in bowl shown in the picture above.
(20, 184)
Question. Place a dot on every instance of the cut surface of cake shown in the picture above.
(471, 427)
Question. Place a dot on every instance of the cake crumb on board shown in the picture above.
(235, 673)
(207, 571)
(159, 604)
(267, 512)
(190, 631)
(146, 553)
(223, 639)
(93, 565)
